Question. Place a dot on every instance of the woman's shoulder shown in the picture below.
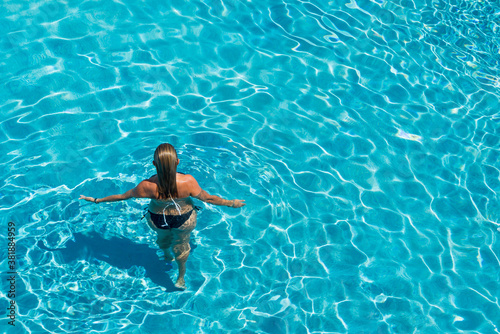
(148, 187)
(187, 185)
(185, 177)
(153, 178)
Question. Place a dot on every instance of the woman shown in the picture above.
(171, 212)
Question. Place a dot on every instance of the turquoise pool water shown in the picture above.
(363, 135)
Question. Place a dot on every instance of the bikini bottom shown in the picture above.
(166, 222)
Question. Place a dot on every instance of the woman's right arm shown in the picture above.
(197, 192)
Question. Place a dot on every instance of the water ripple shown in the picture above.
(363, 136)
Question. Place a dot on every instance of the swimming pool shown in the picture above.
(363, 136)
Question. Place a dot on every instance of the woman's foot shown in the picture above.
(180, 284)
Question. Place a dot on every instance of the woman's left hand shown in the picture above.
(238, 203)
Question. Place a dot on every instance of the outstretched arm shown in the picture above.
(138, 192)
(197, 192)
(212, 199)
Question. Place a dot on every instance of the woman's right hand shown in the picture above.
(202, 195)
(88, 199)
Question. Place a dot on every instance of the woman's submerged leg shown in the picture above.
(164, 241)
(181, 247)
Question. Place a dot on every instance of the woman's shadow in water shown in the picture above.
(118, 252)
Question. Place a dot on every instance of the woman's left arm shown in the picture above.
(138, 192)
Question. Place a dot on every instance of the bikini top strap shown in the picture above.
(177, 206)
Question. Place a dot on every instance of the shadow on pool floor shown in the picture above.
(118, 252)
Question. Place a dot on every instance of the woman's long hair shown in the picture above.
(166, 167)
